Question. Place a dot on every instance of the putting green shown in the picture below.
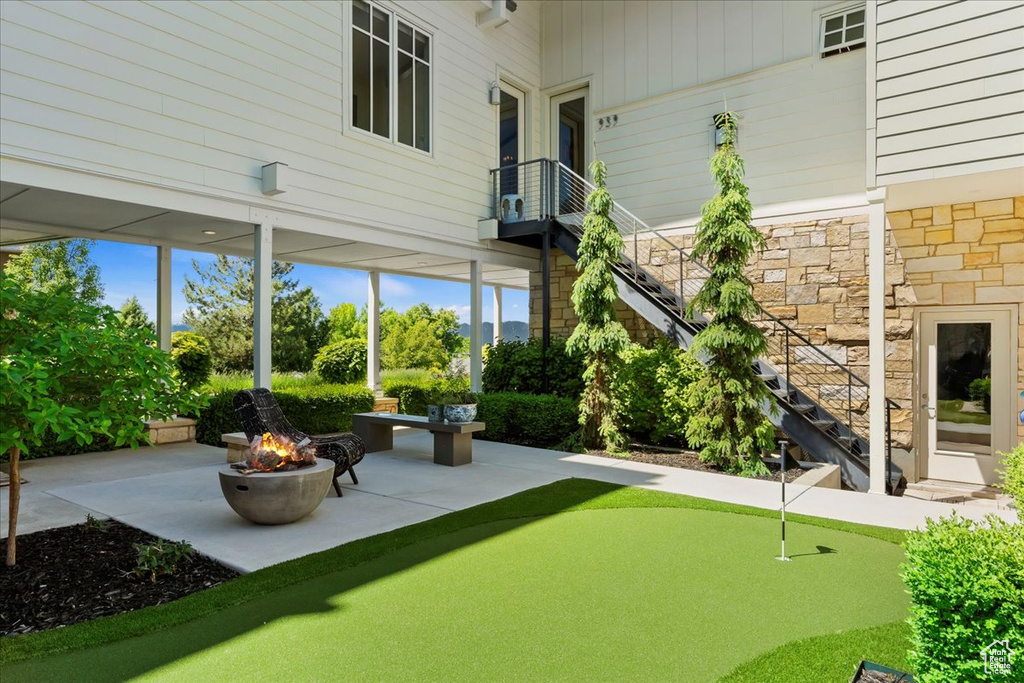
(633, 593)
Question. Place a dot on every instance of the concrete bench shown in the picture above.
(453, 442)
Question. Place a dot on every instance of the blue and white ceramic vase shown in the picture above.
(459, 413)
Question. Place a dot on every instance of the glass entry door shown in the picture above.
(965, 388)
(511, 137)
(570, 147)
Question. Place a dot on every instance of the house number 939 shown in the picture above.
(607, 121)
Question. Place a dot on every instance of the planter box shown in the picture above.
(867, 667)
(385, 405)
(179, 430)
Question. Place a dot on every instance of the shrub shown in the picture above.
(342, 362)
(415, 394)
(1013, 477)
(527, 419)
(519, 366)
(966, 585)
(650, 387)
(315, 410)
(160, 557)
(191, 353)
(980, 391)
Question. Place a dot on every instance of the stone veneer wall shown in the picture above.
(813, 275)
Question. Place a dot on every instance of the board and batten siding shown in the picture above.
(666, 68)
(949, 88)
(197, 96)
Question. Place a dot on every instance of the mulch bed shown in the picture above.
(879, 677)
(73, 574)
(688, 460)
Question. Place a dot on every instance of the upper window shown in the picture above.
(842, 32)
(390, 76)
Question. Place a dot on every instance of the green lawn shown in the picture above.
(577, 580)
(950, 411)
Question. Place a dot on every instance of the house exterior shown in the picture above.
(884, 144)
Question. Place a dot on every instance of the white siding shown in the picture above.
(641, 48)
(801, 134)
(949, 90)
(199, 95)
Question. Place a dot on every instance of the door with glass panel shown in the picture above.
(570, 147)
(511, 148)
(965, 408)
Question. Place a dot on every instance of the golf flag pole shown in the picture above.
(783, 447)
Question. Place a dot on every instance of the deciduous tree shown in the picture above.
(64, 265)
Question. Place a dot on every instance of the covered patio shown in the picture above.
(172, 491)
(36, 213)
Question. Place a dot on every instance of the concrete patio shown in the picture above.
(172, 491)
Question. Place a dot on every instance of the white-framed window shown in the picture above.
(842, 31)
(390, 79)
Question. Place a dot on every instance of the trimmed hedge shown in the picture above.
(966, 585)
(415, 395)
(191, 353)
(315, 410)
(519, 366)
(527, 419)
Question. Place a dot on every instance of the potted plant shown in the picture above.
(459, 407)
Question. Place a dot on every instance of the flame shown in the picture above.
(271, 454)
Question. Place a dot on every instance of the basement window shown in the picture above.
(842, 32)
(390, 86)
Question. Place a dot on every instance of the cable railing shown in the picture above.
(547, 189)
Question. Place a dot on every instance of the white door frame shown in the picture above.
(1004, 378)
(520, 95)
(554, 117)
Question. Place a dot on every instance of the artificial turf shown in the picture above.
(577, 580)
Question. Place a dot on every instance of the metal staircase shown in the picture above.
(822, 405)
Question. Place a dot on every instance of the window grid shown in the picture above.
(385, 29)
(842, 32)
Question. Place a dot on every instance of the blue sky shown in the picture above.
(128, 269)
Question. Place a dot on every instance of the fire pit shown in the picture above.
(279, 484)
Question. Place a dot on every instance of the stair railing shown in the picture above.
(552, 190)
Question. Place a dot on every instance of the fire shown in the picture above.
(274, 454)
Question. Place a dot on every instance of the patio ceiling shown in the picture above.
(30, 214)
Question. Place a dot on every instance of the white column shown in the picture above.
(163, 297)
(476, 297)
(876, 337)
(262, 297)
(497, 315)
(373, 332)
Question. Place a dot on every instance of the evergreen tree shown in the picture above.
(65, 265)
(726, 421)
(133, 315)
(220, 300)
(599, 337)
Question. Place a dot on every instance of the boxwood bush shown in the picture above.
(650, 385)
(315, 410)
(415, 394)
(1013, 477)
(527, 419)
(966, 585)
(342, 362)
(519, 366)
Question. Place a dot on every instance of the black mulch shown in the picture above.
(688, 460)
(879, 677)
(72, 574)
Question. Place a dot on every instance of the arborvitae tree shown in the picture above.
(600, 338)
(64, 265)
(727, 423)
(134, 315)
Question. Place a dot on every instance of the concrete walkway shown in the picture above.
(173, 491)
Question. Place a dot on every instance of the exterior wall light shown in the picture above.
(495, 94)
(276, 178)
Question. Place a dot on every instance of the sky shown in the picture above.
(128, 269)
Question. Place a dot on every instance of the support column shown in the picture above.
(373, 332)
(545, 315)
(497, 315)
(877, 230)
(163, 297)
(476, 297)
(262, 298)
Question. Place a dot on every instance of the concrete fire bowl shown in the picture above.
(277, 497)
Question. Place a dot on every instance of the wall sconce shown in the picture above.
(276, 178)
(718, 120)
(495, 93)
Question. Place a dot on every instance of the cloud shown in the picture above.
(391, 286)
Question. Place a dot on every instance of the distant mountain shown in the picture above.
(180, 327)
(511, 330)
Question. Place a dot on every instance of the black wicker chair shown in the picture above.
(259, 413)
